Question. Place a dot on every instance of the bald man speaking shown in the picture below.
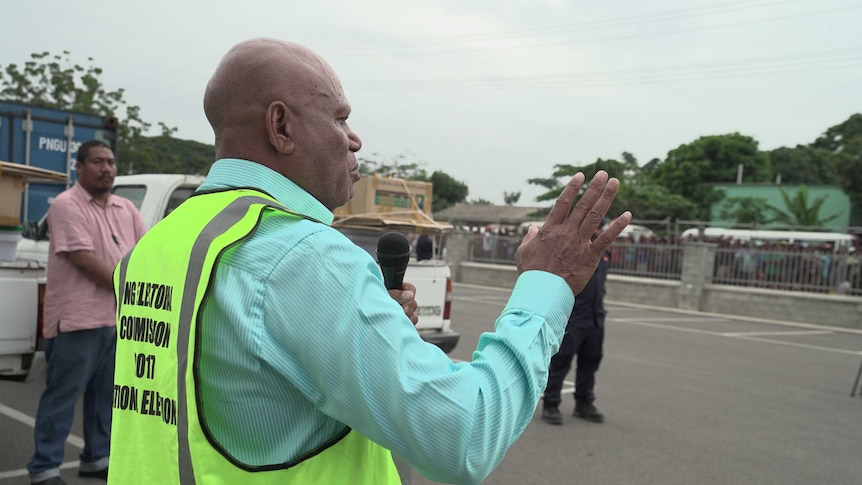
(287, 360)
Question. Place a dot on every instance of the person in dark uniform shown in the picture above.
(584, 337)
(424, 248)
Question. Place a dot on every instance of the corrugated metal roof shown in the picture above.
(486, 214)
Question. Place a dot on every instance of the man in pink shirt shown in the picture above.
(91, 230)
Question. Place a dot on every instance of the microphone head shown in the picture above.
(393, 256)
(394, 249)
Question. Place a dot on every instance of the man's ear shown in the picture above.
(280, 122)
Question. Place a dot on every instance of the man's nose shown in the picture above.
(355, 141)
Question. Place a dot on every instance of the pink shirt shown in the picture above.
(76, 222)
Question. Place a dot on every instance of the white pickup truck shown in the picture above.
(22, 280)
(22, 287)
(156, 195)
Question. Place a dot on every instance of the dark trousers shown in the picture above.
(586, 343)
(79, 362)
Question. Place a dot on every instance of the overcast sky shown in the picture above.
(491, 92)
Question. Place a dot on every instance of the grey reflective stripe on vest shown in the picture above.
(223, 221)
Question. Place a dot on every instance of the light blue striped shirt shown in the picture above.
(300, 338)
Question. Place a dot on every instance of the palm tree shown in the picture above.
(799, 213)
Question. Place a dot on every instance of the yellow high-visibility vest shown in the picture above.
(159, 435)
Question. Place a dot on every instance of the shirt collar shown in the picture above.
(236, 173)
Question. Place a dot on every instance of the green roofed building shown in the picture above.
(836, 202)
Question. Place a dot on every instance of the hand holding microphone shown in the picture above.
(393, 255)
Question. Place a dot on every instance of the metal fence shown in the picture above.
(677, 227)
(793, 268)
(646, 260)
(493, 248)
(775, 266)
(662, 261)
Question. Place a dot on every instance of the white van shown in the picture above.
(807, 238)
(633, 232)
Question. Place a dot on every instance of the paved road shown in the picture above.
(694, 399)
(689, 399)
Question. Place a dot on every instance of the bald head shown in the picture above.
(251, 75)
(281, 105)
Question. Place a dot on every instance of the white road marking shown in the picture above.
(485, 300)
(670, 319)
(643, 323)
(31, 422)
(17, 415)
(22, 472)
(802, 346)
(770, 334)
(752, 336)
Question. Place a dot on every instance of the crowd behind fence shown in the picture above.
(792, 267)
(816, 269)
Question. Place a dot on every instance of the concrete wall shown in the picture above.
(694, 291)
(495, 275)
(643, 291)
(787, 306)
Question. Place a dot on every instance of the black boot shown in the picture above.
(101, 474)
(551, 414)
(585, 410)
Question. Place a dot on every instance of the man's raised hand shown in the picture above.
(564, 245)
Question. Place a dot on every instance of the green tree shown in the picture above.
(652, 203)
(54, 81)
(626, 171)
(396, 167)
(803, 165)
(799, 212)
(689, 168)
(164, 154)
(844, 141)
(648, 168)
(552, 185)
(746, 210)
(848, 163)
(446, 190)
(511, 198)
(836, 138)
(633, 175)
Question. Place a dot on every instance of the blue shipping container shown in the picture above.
(48, 138)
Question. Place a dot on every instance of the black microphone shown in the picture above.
(393, 254)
